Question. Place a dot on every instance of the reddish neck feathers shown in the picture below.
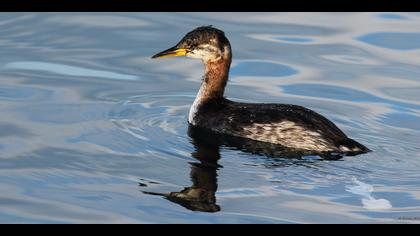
(216, 77)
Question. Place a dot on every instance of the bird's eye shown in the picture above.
(193, 45)
(190, 43)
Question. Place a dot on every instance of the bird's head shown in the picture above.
(206, 43)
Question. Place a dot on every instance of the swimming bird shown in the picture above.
(286, 125)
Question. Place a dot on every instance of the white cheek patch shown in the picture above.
(205, 52)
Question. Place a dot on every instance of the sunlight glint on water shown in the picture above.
(90, 126)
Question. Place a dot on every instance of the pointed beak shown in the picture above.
(171, 52)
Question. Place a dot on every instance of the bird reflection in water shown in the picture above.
(201, 195)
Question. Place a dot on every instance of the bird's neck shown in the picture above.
(215, 79)
(213, 85)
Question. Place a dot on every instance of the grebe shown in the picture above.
(290, 126)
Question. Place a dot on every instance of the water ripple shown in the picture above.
(392, 16)
(396, 41)
(250, 68)
(67, 70)
(89, 124)
(22, 93)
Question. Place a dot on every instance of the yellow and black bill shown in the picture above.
(171, 52)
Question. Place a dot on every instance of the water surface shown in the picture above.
(93, 130)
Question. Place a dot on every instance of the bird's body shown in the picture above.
(284, 124)
(290, 126)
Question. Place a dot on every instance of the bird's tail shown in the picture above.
(352, 147)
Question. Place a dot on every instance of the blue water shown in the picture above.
(92, 130)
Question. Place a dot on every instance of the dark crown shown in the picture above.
(204, 35)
